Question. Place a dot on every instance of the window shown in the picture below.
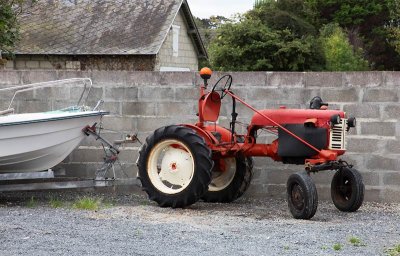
(175, 40)
(174, 69)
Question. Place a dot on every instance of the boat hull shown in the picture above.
(32, 142)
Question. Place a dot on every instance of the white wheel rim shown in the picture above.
(222, 178)
(170, 166)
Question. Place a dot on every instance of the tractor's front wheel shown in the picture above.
(175, 166)
(302, 196)
(347, 190)
(231, 177)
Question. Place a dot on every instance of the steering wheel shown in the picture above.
(226, 87)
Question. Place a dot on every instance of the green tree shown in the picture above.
(259, 3)
(207, 27)
(394, 38)
(370, 25)
(213, 22)
(275, 35)
(9, 30)
(339, 53)
(294, 15)
(250, 45)
(289, 29)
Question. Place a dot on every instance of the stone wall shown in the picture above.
(82, 62)
(143, 101)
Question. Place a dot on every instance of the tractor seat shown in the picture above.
(209, 107)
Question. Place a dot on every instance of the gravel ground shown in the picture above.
(131, 225)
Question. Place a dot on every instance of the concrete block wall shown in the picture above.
(143, 101)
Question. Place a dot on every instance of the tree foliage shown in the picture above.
(267, 38)
(213, 22)
(339, 53)
(208, 26)
(292, 35)
(9, 29)
(285, 14)
(369, 24)
(250, 45)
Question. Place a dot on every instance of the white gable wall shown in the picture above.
(177, 51)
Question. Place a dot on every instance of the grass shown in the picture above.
(138, 232)
(393, 251)
(355, 241)
(337, 247)
(32, 203)
(56, 203)
(87, 203)
(108, 203)
(144, 202)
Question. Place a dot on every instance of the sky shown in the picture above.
(226, 8)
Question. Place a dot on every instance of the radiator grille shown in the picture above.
(337, 136)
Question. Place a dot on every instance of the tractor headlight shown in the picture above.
(351, 122)
(335, 119)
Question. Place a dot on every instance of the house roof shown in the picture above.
(102, 27)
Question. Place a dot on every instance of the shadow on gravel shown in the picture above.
(257, 209)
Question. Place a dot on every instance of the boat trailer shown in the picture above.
(47, 180)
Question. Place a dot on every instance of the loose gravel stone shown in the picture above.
(132, 225)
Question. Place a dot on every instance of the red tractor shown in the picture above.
(180, 164)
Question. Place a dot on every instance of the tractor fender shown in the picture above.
(206, 135)
(212, 134)
(224, 133)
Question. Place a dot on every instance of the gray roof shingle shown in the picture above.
(96, 27)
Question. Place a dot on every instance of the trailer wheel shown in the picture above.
(175, 166)
(347, 190)
(302, 196)
(231, 177)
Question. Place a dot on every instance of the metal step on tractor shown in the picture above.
(181, 164)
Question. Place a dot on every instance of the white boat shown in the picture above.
(33, 142)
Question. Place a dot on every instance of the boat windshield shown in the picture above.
(80, 105)
(71, 109)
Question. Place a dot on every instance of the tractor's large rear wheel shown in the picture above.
(175, 166)
(231, 177)
(302, 196)
(347, 190)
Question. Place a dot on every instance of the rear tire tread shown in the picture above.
(237, 187)
(202, 161)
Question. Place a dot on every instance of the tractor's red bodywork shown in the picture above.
(180, 164)
(225, 144)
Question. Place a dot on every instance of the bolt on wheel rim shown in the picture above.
(222, 178)
(345, 188)
(170, 166)
(297, 197)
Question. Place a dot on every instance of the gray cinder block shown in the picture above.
(378, 128)
(380, 95)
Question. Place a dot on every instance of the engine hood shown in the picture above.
(293, 116)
